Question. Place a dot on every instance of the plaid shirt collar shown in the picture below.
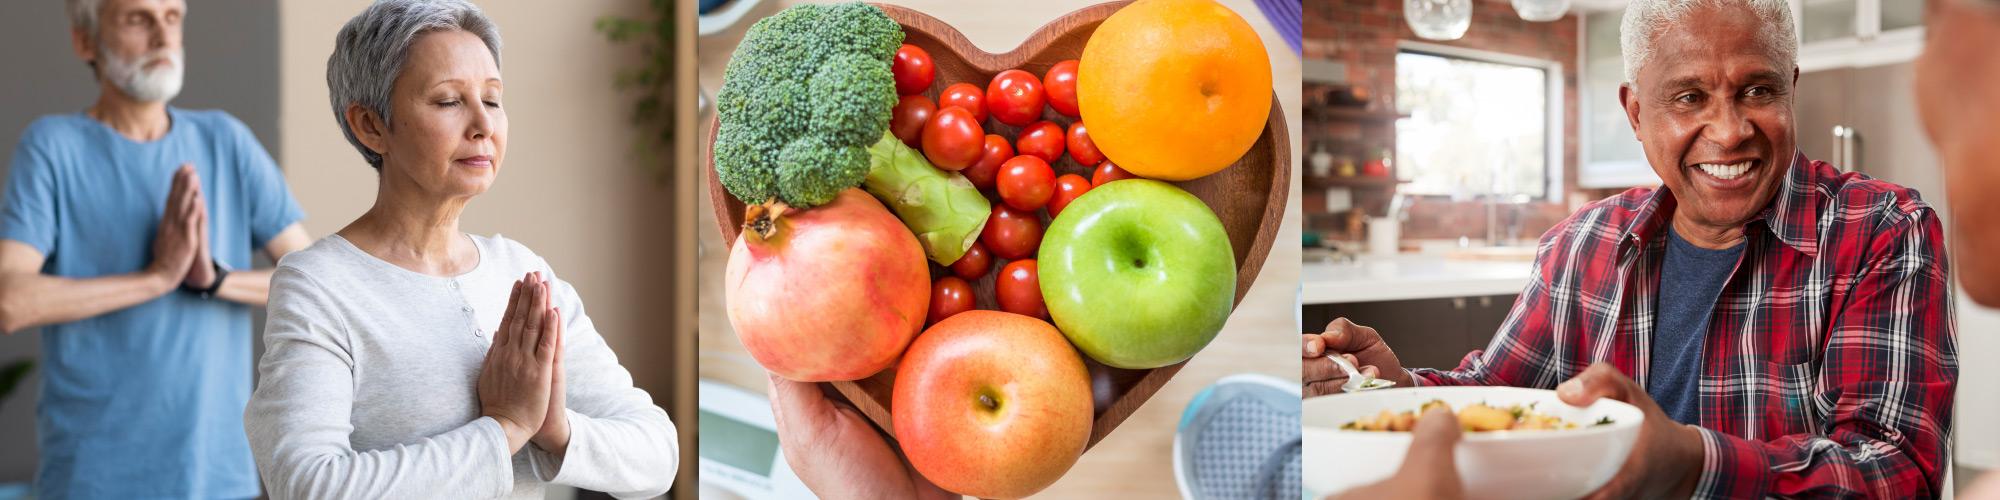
(1792, 216)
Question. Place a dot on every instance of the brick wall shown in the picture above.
(1362, 34)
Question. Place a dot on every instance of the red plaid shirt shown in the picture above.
(1830, 357)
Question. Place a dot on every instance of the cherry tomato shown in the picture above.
(908, 118)
(995, 152)
(913, 70)
(974, 264)
(1026, 183)
(1015, 97)
(1068, 187)
(1019, 289)
(1060, 83)
(1043, 139)
(1011, 234)
(965, 95)
(1080, 147)
(949, 296)
(952, 139)
(1107, 172)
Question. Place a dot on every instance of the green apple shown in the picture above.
(1138, 274)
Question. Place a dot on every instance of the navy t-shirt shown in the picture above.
(1691, 280)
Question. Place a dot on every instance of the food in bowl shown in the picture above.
(1525, 465)
(1476, 417)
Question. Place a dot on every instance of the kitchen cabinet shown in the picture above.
(1857, 33)
(1426, 333)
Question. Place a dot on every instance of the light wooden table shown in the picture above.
(1135, 461)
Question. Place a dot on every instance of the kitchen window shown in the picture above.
(1480, 124)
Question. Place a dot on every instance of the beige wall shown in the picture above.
(569, 189)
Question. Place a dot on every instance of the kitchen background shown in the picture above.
(1135, 461)
(611, 221)
(1433, 166)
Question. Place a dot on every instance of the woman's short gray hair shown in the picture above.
(1645, 19)
(370, 50)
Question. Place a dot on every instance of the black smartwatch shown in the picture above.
(221, 272)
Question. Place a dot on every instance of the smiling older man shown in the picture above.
(1785, 327)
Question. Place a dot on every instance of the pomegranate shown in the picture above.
(831, 293)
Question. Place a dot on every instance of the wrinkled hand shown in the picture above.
(515, 381)
(1360, 345)
(1429, 469)
(178, 239)
(201, 270)
(1665, 462)
(554, 436)
(836, 452)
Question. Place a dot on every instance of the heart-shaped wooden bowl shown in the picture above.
(1249, 196)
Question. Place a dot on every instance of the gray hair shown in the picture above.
(83, 15)
(369, 52)
(1645, 19)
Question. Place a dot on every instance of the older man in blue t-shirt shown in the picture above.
(119, 229)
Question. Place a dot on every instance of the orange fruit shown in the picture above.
(1174, 89)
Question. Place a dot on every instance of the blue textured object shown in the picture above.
(707, 6)
(1286, 15)
(1240, 438)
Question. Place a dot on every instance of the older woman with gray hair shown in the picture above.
(403, 359)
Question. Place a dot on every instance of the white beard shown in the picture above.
(132, 77)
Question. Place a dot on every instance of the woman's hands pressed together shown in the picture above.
(521, 376)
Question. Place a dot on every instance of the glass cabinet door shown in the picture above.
(1824, 20)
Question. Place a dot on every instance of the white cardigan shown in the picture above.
(368, 386)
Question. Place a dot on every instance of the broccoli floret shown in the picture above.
(811, 173)
(805, 94)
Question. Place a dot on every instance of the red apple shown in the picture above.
(992, 404)
(829, 293)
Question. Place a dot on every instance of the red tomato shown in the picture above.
(1060, 82)
(1080, 147)
(1068, 187)
(965, 95)
(1011, 234)
(1043, 139)
(913, 70)
(1019, 289)
(974, 264)
(1026, 183)
(1107, 172)
(1014, 97)
(949, 296)
(908, 118)
(952, 139)
(995, 152)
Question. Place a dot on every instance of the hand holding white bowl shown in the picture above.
(1667, 459)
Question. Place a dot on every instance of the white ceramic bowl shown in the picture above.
(1507, 464)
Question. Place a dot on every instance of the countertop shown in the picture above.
(1406, 276)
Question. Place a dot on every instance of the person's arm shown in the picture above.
(29, 298)
(619, 442)
(253, 286)
(298, 420)
(1519, 352)
(1887, 377)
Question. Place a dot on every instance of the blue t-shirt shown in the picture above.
(1691, 280)
(145, 401)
